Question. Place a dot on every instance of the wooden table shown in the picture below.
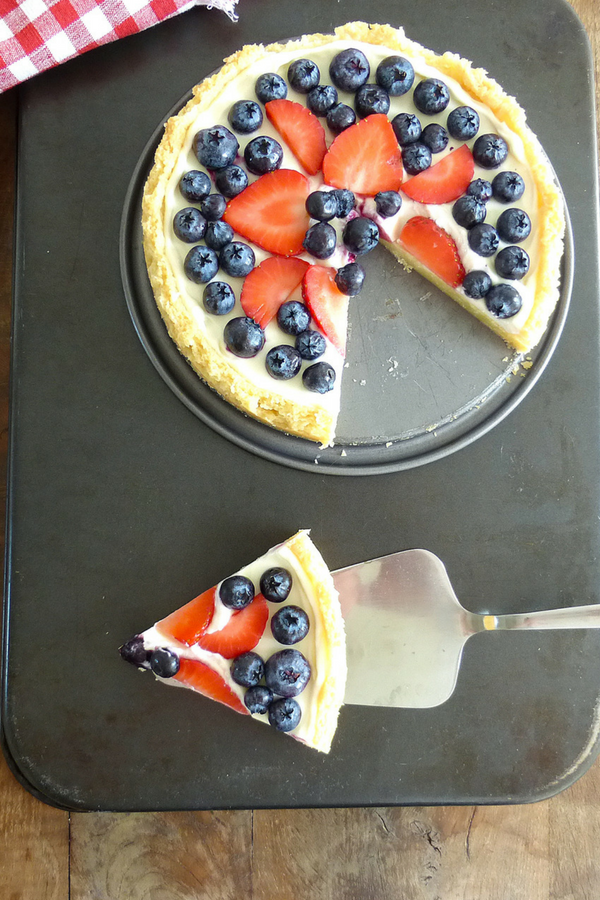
(546, 851)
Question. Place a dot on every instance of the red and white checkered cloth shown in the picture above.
(38, 34)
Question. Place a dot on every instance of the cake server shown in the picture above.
(405, 606)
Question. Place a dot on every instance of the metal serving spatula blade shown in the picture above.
(406, 629)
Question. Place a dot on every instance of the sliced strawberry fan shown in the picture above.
(269, 285)
(301, 130)
(365, 158)
(327, 304)
(434, 247)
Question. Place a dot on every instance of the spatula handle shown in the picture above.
(573, 617)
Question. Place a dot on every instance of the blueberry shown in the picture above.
(270, 87)
(476, 284)
(349, 70)
(322, 205)
(289, 625)
(258, 699)
(483, 239)
(201, 264)
(310, 344)
(340, 117)
(218, 298)
(195, 185)
(503, 301)
(512, 262)
(416, 158)
(320, 378)
(321, 99)
(244, 337)
(245, 116)
(431, 96)
(237, 591)
(293, 317)
(218, 234)
(467, 211)
(287, 673)
(283, 362)
(215, 147)
(164, 663)
(463, 123)
(276, 584)
(285, 715)
(231, 181)
(346, 201)
(395, 75)
(263, 154)
(480, 189)
(388, 203)
(360, 235)
(213, 207)
(320, 240)
(435, 137)
(189, 225)
(371, 99)
(513, 225)
(247, 669)
(350, 279)
(237, 259)
(407, 128)
(508, 187)
(133, 652)
(490, 151)
(303, 75)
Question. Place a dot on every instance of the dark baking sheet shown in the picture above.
(122, 503)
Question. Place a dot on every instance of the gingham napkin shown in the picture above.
(38, 34)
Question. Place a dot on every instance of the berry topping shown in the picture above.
(206, 681)
(360, 235)
(242, 633)
(340, 117)
(303, 75)
(416, 158)
(236, 592)
(164, 663)
(320, 240)
(258, 699)
(245, 116)
(247, 669)
(285, 714)
(512, 263)
(289, 625)
(188, 623)
(467, 211)
(395, 75)
(213, 207)
(218, 234)
(320, 378)
(503, 301)
(276, 584)
(310, 344)
(269, 285)
(433, 247)
(322, 205)
(263, 154)
(215, 147)
(350, 279)
(244, 337)
(287, 672)
(271, 212)
(370, 99)
(237, 259)
(365, 158)
(301, 130)
(321, 99)
(483, 239)
(195, 185)
(346, 201)
(508, 187)
(270, 87)
(463, 123)
(445, 181)
(133, 652)
(328, 306)
(490, 151)
(349, 70)
(513, 225)
(388, 203)
(476, 284)
(189, 225)
(293, 317)
(218, 298)
(407, 128)
(435, 137)
(480, 189)
(431, 96)
(201, 264)
(231, 181)
(283, 362)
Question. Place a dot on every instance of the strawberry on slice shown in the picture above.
(328, 306)
(188, 623)
(200, 677)
(269, 285)
(271, 212)
(433, 247)
(301, 130)
(365, 158)
(445, 181)
(242, 633)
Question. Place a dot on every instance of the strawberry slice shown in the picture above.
(188, 623)
(271, 212)
(445, 181)
(301, 130)
(433, 247)
(328, 306)
(365, 158)
(242, 633)
(206, 681)
(269, 285)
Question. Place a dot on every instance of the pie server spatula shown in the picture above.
(406, 629)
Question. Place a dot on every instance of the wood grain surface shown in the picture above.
(546, 851)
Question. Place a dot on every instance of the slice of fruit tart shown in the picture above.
(296, 159)
(267, 642)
